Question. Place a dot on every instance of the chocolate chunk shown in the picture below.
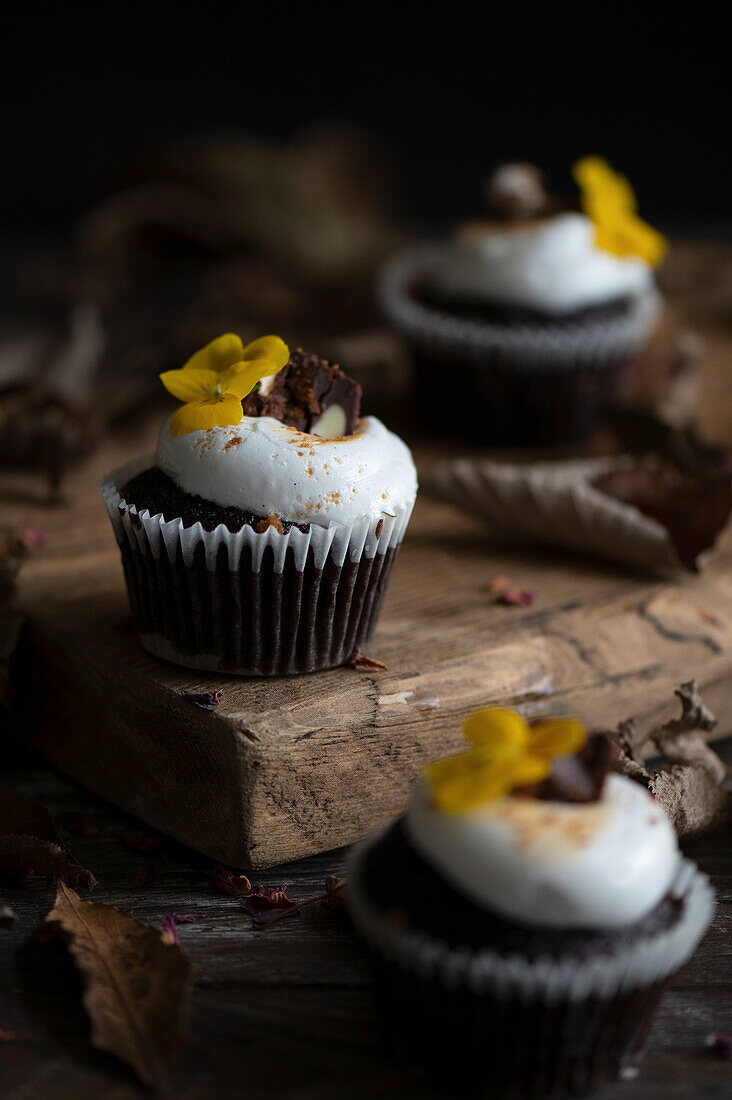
(304, 390)
(581, 776)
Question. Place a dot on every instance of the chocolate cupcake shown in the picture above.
(534, 312)
(261, 537)
(526, 913)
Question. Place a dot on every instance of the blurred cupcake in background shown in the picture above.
(260, 538)
(526, 912)
(533, 312)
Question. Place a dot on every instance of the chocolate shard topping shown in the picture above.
(581, 776)
(309, 394)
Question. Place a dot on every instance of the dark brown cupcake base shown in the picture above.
(500, 402)
(489, 1043)
(255, 623)
(473, 1045)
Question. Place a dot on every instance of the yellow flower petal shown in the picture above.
(241, 378)
(188, 385)
(497, 728)
(557, 737)
(209, 412)
(267, 347)
(475, 783)
(609, 201)
(595, 177)
(218, 355)
(631, 237)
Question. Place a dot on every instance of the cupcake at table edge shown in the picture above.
(526, 912)
(260, 538)
(534, 311)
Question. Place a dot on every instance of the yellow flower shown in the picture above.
(217, 378)
(608, 199)
(506, 753)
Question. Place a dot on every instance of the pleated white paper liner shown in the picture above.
(250, 603)
(479, 1020)
(509, 384)
(557, 503)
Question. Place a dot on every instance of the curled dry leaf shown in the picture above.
(695, 788)
(363, 663)
(135, 986)
(651, 516)
(235, 885)
(29, 844)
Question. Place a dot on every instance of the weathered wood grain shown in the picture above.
(269, 776)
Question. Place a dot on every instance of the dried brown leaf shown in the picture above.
(611, 507)
(136, 986)
(29, 857)
(692, 507)
(29, 844)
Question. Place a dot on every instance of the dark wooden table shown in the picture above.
(286, 1012)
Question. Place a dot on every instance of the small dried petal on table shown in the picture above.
(362, 663)
(267, 903)
(207, 700)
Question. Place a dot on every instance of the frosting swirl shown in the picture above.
(552, 265)
(263, 466)
(602, 864)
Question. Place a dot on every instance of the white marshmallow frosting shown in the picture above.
(552, 265)
(262, 466)
(592, 865)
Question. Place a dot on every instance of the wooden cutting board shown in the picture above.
(284, 768)
(287, 767)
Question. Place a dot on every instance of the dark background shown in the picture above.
(448, 91)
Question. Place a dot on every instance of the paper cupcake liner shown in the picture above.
(252, 603)
(484, 1023)
(510, 384)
